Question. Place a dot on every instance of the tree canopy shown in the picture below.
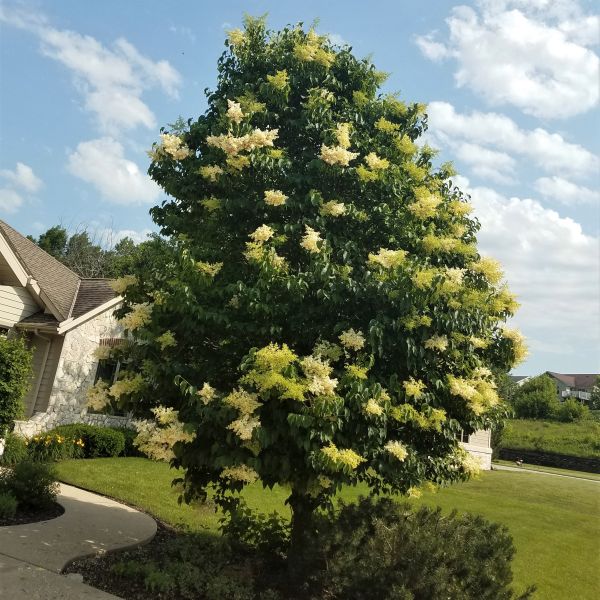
(324, 308)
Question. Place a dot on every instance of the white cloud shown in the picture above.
(337, 39)
(549, 151)
(23, 177)
(101, 163)
(566, 192)
(551, 265)
(10, 201)
(111, 80)
(485, 163)
(532, 55)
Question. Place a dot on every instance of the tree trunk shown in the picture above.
(301, 530)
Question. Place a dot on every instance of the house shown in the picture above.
(64, 318)
(573, 385)
(479, 445)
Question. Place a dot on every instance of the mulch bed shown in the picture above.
(97, 570)
(33, 516)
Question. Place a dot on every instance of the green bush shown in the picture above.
(570, 410)
(130, 449)
(15, 450)
(97, 441)
(33, 484)
(8, 505)
(384, 550)
(53, 446)
(536, 399)
(15, 371)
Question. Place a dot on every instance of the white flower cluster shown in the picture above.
(333, 209)
(262, 234)
(353, 340)
(232, 145)
(275, 197)
(311, 240)
(234, 111)
(318, 372)
(336, 155)
(206, 393)
(173, 146)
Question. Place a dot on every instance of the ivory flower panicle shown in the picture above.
(388, 259)
(262, 234)
(437, 342)
(333, 209)
(311, 239)
(206, 393)
(397, 450)
(375, 163)
(275, 197)
(234, 111)
(353, 340)
(336, 155)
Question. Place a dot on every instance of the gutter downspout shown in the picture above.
(42, 369)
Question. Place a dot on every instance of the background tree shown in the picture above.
(595, 395)
(536, 399)
(324, 307)
(15, 373)
(89, 254)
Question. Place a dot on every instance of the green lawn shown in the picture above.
(576, 439)
(555, 522)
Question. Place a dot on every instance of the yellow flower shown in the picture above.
(353, 340)
(437, 342)
(242, 401)
(236, 37)
(460, 208)
(210, 172)
(237, 163)
(273, 357)
(337, 155)
(397, 450)
(311, 239)
(262, 234)
(275, 197)
(207, 393)
(405, 145)
(166, 340)
(210, 269)
(425, 203)
(489, 268)
(376, 163)
(122, 283)
(517, 340)
(413, 492)
(415, 171)
(279, 81)
(372, 407)
(333, 209)
(477, 342)
(357, 372)
(241, 473)
(341, 458)
(139, 316)
(318, 372)
(234, 111)
(386, 126)
(462, 388)
(423, 279)
(388, 259)
(365, 174)
(342, 135)
(414, 388)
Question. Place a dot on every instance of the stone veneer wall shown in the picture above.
(74, 376)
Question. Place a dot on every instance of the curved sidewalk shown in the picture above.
(32, 555)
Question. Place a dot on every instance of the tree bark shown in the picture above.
(301, 531)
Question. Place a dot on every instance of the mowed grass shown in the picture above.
(575, 439)
(554, 521)
(553, 470)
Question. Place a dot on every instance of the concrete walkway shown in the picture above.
(496, 467)
(33, 555)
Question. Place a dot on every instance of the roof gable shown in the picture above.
(56, 280)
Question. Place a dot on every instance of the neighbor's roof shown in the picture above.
(71, 295)
(578, 380)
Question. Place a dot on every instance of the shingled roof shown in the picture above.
(584, 381)
(71, 295)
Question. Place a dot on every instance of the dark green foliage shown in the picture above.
(571, 410)
(15, 372)
(595, 395)
(8, 505)
(536, 399)
(388, 551)
(130, 449)
(191, 567)
(98, 441)
(33, 484)
(15, 450)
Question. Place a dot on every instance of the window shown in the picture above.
(463, 437)
(107, 370)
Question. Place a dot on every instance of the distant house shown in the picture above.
(573, 385)
(64, 318)
(479, 445)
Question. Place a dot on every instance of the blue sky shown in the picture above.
(511, 85)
